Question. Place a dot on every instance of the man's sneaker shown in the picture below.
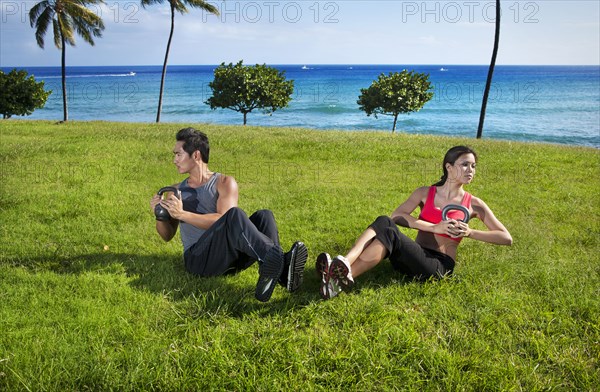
(327, 288)
(295, 260)
(269, 272)
(340, 273)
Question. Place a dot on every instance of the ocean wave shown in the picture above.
(324, 109)
(120, 75)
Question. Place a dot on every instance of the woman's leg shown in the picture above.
(366, 252)
(338, 274)
(371, 255)
(363, 241)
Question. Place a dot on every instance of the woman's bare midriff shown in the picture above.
(437, 242)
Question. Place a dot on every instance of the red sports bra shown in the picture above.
(430, 213)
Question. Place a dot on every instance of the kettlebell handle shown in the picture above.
(160, 212)
(457, 207)
(169, 189)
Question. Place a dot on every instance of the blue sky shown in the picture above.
(322, 32)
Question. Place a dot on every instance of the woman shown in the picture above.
(433, 252)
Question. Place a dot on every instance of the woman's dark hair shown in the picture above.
(451, 156)
(194, 140)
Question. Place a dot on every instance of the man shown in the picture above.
(218, 238)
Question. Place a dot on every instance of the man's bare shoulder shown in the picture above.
(226, 183)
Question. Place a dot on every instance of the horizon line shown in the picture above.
(312, 64)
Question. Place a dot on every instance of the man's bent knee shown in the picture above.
(234, 212)
(264, 214)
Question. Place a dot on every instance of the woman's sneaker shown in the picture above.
(327, 288)
(340, 273)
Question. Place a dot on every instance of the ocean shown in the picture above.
(556, 104)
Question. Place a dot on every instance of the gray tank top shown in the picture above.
(201, 200)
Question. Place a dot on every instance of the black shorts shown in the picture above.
(409, 257)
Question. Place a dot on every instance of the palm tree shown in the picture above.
(67, 17)
(488, 83)
(180, 6)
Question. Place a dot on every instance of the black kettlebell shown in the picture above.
(160, 212)
(451, 207)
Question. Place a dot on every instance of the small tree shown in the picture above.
(20, 95)
(396, 93)
(245, 88)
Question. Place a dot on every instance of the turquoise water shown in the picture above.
(558, 104)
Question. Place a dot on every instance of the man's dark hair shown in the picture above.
(194, 140)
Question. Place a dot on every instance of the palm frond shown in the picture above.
(42, 22)
(35, 12)
(203, 5)
(179, 6)
(146, 3)
(66, 25)
(85, 22)
(57, 34)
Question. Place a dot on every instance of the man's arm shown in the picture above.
(228, 197)
(166, 229)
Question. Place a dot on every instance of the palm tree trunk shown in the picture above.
(488, 83)
(64, 77)
(164, 70)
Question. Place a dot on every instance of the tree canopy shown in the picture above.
(395, 93)
(245, 88)
(20, 94)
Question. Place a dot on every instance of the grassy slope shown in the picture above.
(91, 298)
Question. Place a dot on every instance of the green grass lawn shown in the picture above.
(92, 299)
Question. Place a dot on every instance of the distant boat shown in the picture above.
(443, 69)
(305, 67)
(131, 74)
